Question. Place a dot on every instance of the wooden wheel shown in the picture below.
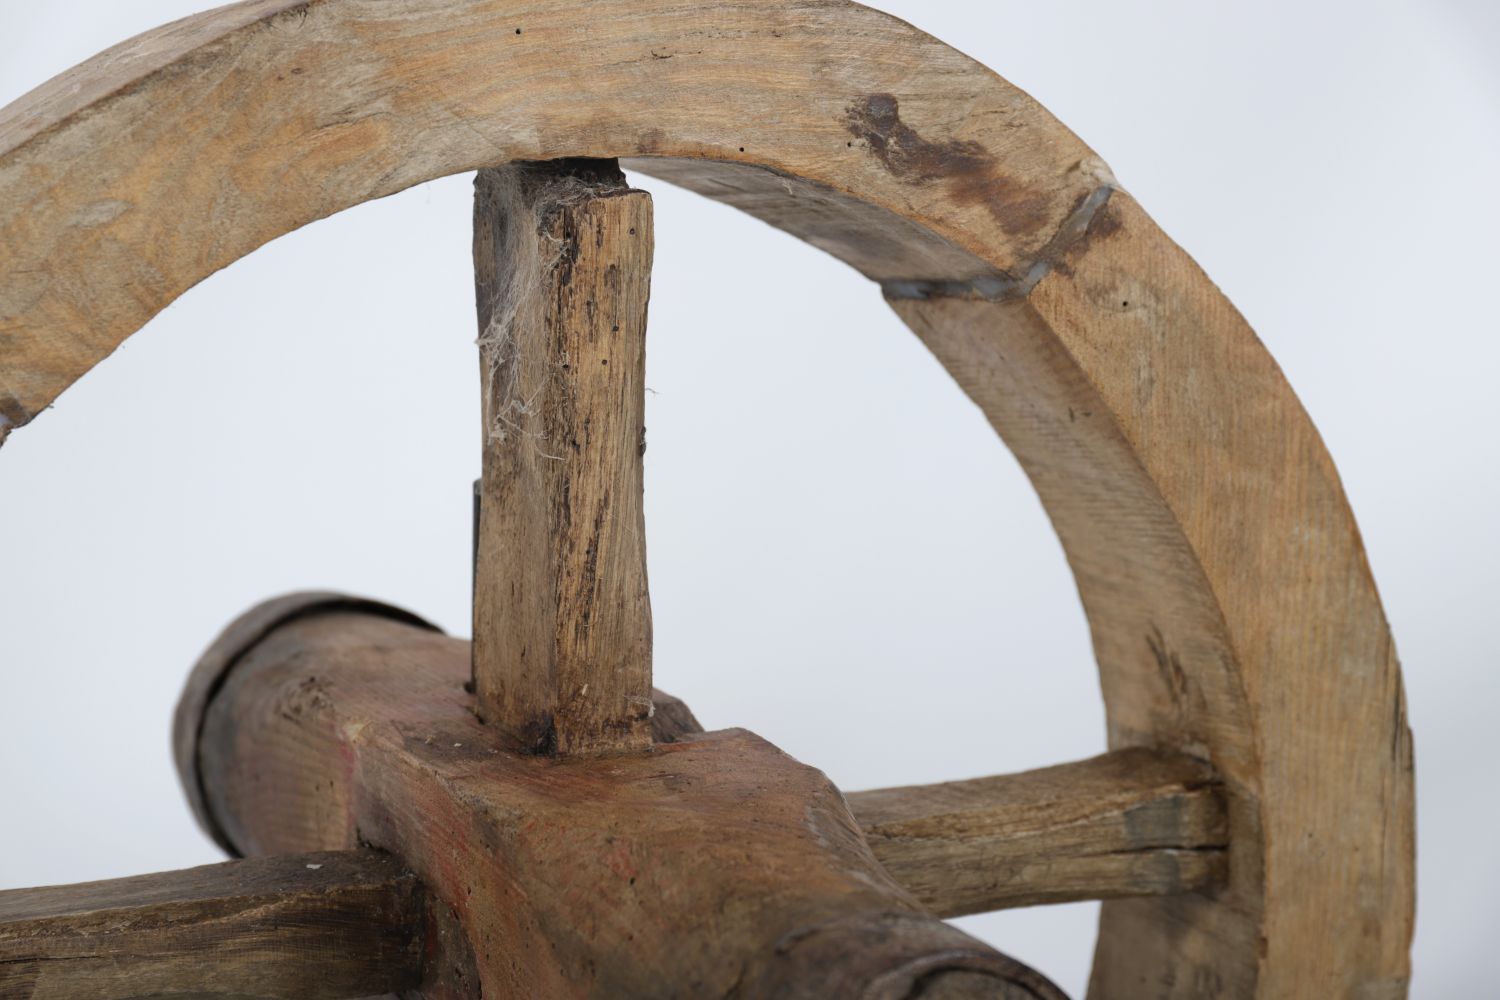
(1251, 828)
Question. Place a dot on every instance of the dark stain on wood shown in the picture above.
(1102, 221)
(1169, 665)
(971, 173)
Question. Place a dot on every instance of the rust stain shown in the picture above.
(971, 173)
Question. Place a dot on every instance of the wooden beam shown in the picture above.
(562, 618)
(1130, 823)
(303, 927)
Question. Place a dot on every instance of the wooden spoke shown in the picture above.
(562, 619)
(1130, 823)
(329, 925)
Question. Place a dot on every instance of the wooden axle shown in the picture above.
(562, 620)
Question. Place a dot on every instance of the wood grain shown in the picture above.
(302, 927)
(562, 618)
(219, 658)
(711, 866)
(1130, 823)
(1231, 606)
(1233, 614)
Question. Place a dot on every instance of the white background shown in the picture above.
(840, 549)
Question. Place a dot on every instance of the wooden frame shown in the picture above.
(1232, 610)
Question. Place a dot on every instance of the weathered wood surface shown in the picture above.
(1233, 614)
(216, 661)
(1130, 823)
(329, 925)
(1231, 607)
(703, 867)
(562, 618)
